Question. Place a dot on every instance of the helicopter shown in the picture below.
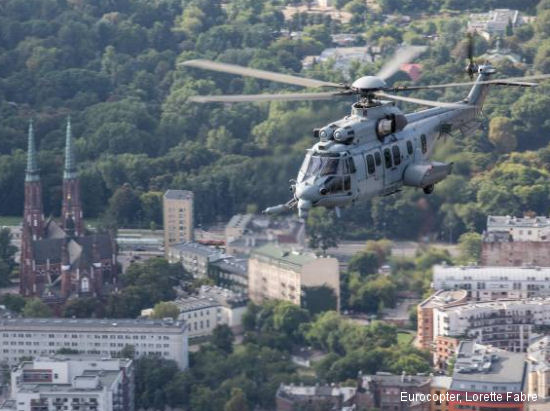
(376, 149)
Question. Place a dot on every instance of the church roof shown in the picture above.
(80, 249)
(53, 230)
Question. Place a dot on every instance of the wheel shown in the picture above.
(429, 189)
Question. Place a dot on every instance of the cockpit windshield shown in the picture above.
(320, 166)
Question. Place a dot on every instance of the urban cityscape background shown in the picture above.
(137, 273)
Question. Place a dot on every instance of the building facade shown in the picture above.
(230, 272)
(32, 337)
(212, 306)
(493, 283)
(505, 324)
(177, 214)
(194, 257)
(316, 398)
(276, 272)
(60, 260)
(65, 383)
(425, 310)
(514, 241)
(538, 369)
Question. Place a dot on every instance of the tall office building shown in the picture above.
(177, 212)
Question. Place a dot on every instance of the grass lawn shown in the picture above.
(10, 220)
(404, 338)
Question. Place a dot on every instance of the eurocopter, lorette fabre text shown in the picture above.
(469, 397)
(377, 149)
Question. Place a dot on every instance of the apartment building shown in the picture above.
(177, 214)
(33, 337)
(538, 373)
(482, 369)
(425, 310)
(514, 241)
(298, 276)
(73, 383)
(506, 324)
(212, 306)
(493, 283)
(194, 257)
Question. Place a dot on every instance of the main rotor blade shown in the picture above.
(500, 81)
(423, 102)
(246, 98)
(401, 56)
(261, 74)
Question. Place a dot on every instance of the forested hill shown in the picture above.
(112, 65)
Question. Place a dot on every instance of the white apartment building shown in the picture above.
(212, 306)
(71, 383)
(276, 272)
(493, 283)
(506, 324)
(33, 337)
(520, 228)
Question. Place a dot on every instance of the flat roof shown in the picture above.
(89, 324)
(195, 248)
(485, 364)
(178, 195)
(285, 254)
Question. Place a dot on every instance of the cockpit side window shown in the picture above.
(409, 147)
(387, 158)
(330, 167)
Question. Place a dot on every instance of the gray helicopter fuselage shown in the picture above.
(357, 159)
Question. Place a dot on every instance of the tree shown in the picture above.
(7, 252)
(323, 230)
(165, 309)
(87, 307)
(124, 206)
(470, 247)
(501, 134)
(13, 302)
(36, 308)
(237, 402)
(364, 262)
(222, 338)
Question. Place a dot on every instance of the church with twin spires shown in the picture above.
(60, 260)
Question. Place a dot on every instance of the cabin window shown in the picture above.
(409, 147)
(351, 165)
(387, 157)
(370, 164)
(396, 155)
(377, 158)
(423, 143)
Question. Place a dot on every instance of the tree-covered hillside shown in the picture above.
(112, 65)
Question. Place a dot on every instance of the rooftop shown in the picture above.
(485, 364)
(91, 323)
(498, 305)
(443, 298)
(240, 220)
(497, 222)
(178, 195)
(195, 248)
(490, 273)
(211, 296)
(297, 391)
(284, 254)
(389, 379)
(538, 354)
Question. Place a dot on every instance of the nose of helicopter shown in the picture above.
(307, 194)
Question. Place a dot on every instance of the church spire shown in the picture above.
(32, 163)
(70, 166)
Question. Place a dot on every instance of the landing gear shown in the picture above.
(429, 189)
